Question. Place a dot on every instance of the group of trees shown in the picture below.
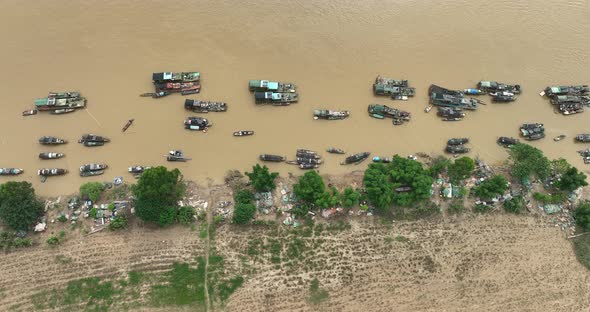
(19, 206)
(528, 161)
(491, 187)
(381, 182)
(311, 192)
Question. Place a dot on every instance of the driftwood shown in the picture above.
(574, 236)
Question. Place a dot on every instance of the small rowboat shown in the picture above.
(559, 137)
(62, 111)
(334, 150)
(30, 112)
(243, 133)
(155, 95)
(427, 109)
(128, 124)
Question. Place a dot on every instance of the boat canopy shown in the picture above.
(264, 84)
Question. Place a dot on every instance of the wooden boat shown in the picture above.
(49, 140)
(92, 143)
(270, 157)
(330, 114)
(155, 95)
(378, 159)
(457, 141)
(457, 149)
(48, 172)
(176, 155)
(128, 124)
(303, 160)
(10, 171)
(198, 106)
(334, 150)
(507, 141)
(197, 123)
(243, 133)
(48, 155)
(584, 138)
(62, 111)
(30, 112)
(356, 158)
(473, 92)
(307, 154)
(137, 169)
(93, 138)
(91, 173)
(93, 167)
(559, 137)
(308, 166)
(428, 108)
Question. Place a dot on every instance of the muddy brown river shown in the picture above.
(332, 50)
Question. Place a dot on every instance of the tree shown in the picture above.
(350, 197)
(185, 215)
(244, 197)
(559, 166)
(582, 215)
(378, 186)
(438, 165)
(262, 180)
(528, 161)
(19, 207)
(309, 188)
(91, 190)
(329, 199)
(119, 222)
(461, 169)
(514, 205)
(409, 173)
(491, 187)
(571, 180)
(243, 213)
(156, 193)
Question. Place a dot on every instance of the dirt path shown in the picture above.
(207, 247)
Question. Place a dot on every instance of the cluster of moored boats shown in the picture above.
(274, 93)
(381, 111)
(308, 159)
(167, 83)
(532, 131)
(394, 88)
(568, 100)
(58, 103)
(457, 146)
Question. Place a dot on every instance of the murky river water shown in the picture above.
(332, 50)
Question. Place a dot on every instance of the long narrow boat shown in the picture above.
(91, 173)
(10, 171)
(62, 111)
(334, 150)
(47, 172)
(93, 167)
(356, 158)
(270, 157)
(30, 112)
(243, 133)
(49, 140)
(128, 124)
(49, 155)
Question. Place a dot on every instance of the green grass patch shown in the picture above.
(481, 208)
(548, 198)
(184, 286)
(92, 293)
(456, 207)
(135, 277)
(226, 288)
(401, 239)
(582, 249)
(203, 230)
(317, 295)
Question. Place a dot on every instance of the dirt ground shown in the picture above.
(469, 263)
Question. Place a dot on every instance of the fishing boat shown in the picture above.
(93, 138)
(10, 171)
(62, 111)
(49, 140)
(535, 136)
(458, 141)
(137, 169)
(532, 129)
(457, 149)
(243, 133)
(381, 111)
(304, 160)
(176, 77)
(92, 143)
(266, 85)
(196, 123)
(452, 119)
(396, 89)
(494, 86)
(270, 157)
(307, 154)
(440, 96)
(559, 137)
(450, 112)
(30, 112)
(334, 150)
(128, 124)
(48, 155)
(176, 155)
(276, 98)
(48, 172)
(330, 114)
(502, 97)
(584, 138)
(204, 106)
(155, 95)
(93, 167)
(184, 88)
(356, 158)
(473, 92)
(565, 90)
(308, 166)
(428, 108)
(54, 103)
(91, 173)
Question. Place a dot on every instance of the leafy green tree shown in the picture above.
(329, 199)
(309, 188)
(571, 179)
(91, 190)
(118, 223)
(378, 186)
(244, 197)
(185, 215)
(408, 172)
(19, 207)
(461, 169)
(350, 197)
(438, 165)
(582, 215)
(528, 161)
(243, 213)
(514, 205)
(156, 193)
(262, 180)
(491, 187)
(559, 166)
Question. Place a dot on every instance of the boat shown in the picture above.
(507, 141)
(176, 158)
(428, 108)
(270, 157)
(308, 166)
(585, 153)
(266, 85)
(30, 112)
(584, 138)
(184, 88)
(397, 121)
(330, 114)
(535, 136)
(397, 89)
(571, 108)
(356, 158)
(494, 86)
(307, 154)
(457, 149)
(49, 140)
(204, 106)
(334, 150)
(91, 173)
(93, 167)
(381, 111)
(62, 111)
(243, 133)
(502, 97)
(196, 123)
(440, 96)
(10, 171)
(48, 155)
(93, 138)
(60, 102)
(276, 98)
(566, 90)
(527, 130)
(128, 124)
(378, 159)
(566, 99)
(176, 77)
(452, 119)
(473, 92)
(559, 137)
(137, 169)
(92, 143)
(305, 160)
(449, 112)
(156, 95)
(457, 141)
(48, 172)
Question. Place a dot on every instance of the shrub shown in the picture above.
(456, 207)
(118, 223)
(185, 215)
(461, 169)
(310, 188)
(62, 218)
(243, 213)
(582, 215)
(571, 180)
(514, 205)
(548, 198)
(492, 187)
(350, 197)
(262, 180)
(481, 208)
(91, 190)
(53, 240)
(92, 213)
(244, 197)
